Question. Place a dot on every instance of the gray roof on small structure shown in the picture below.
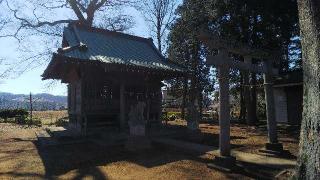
(116, 48)
(290, 78)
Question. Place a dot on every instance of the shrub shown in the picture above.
(34, 121)
(164, 116)
(172, 117)
(13, 113)
(19, 116)
(62, 122)
(21, 119)
(28, 121)
(176, 114)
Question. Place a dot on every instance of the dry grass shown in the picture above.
(50, 117)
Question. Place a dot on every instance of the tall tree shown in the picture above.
(160, 15)
(309, 154)
(186, 49)
(179, 52)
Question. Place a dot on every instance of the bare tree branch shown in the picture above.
(30, 21)
(45, 5)
(26, 24)
(81, 6)
(118, 23)
(100, 4)
(160, 15)
(75, 8)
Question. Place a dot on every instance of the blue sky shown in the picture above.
(31, 81)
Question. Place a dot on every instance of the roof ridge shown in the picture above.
(149, 41)
(112, 33)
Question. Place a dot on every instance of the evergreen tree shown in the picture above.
(186, 49)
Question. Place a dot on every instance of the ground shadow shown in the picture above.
(288, 135)
(199, 137)
(85, 157)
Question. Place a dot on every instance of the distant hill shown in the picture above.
(40, 101)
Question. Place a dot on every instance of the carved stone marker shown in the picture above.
(137, 139)
(136, 119)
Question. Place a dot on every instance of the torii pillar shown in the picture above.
(224, 108)
(248, 100)
(224, 63)
(273, 144)
(225, 159)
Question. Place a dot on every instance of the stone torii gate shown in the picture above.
(223, 63)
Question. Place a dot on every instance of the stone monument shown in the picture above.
(137, 127)
(136, 120)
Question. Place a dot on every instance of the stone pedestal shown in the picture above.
(137, 127)
(137, 139)
(135, 143)
(137, 130)
(223, 163)
(274, 147)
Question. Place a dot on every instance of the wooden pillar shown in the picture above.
(147, 103)
(82, 108)
(224, 116)
(122, 106)
(270, 106)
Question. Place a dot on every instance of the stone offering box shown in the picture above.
(137, 130)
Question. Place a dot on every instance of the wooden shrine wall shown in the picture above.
(98, 93)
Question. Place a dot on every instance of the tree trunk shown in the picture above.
(193, 114)
(253, 98)
(193, 111)
(184, 98)
(308, 166)
(200, 104)
(242, 102)
(31, 109)
(159, 34)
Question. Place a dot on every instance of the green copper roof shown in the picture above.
(112, 47)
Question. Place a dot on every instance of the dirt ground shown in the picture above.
(243, 138)
(22, 158)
